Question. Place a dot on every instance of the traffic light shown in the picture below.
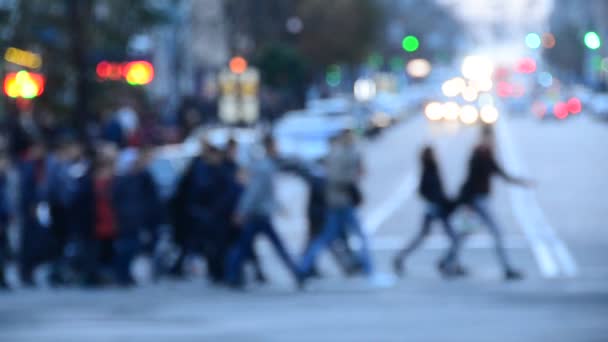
(238, 65)
(109, 70)
(410, 43)
(23, 84)
(135, 72)
(138, 72)
(592, 40)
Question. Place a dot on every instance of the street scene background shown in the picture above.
(134, 135)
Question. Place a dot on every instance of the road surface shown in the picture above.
(555, 232)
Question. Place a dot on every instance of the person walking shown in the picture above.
(316, 210)
(135, 200)
(105, 216)
(235, 189)
(253, 214)
(344, 170)
(80, 210)
(7, 198)
(437, 207)
(204, 196)
(34, 213)
(476, 190)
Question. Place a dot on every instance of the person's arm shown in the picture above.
(509, 178)
(253, 194)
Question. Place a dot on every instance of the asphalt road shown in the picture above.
(554, 233)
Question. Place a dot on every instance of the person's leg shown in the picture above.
(253, 258)
(352, 223)
(3, 254)
(333, 224)
(125, 251)
(270, 232)
(213, 246)
(343, 254)
(451, 257)
(479, 206)
(27, 255)
(417, 240)
(241, 249)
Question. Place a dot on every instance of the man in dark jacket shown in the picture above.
(80, 208)
(33, 210)
(205, 197)
(235, 188)
(136, 204)
(476, 189)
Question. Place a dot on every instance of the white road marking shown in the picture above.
(551, 252)
(374, 220)
(440, 242)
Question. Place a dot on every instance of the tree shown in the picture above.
(337, 31)
(72, 36)
(283, 68)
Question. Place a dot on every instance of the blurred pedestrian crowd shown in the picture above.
(87, 209)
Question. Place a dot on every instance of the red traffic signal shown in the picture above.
(23, 84)
(135, 73)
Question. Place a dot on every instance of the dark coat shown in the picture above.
(80, 196)
(136, 203)
(430, 187)
(482, 167)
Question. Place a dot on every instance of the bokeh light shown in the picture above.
(482, 85)
(533, 40)
(410, 43)
(574, 105)
(138, 72)
(23, 84)
(477, 67)
(333, 76)
(548, 40)
(453, 87)
(526, 65)
(238, 65)
(433, 111)
(451, 111)
(468, 114)
(488, 114)
(560, 110)
(418, 68)
(470, 94)
(592, 40)
(364, 89)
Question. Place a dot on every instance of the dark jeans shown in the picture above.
(479, 205)
(125, 249)
(254, 226)
(339, 221)
(339, 249)
(434, 212)
(3, 254)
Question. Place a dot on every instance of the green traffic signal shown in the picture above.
(410, 43)
(592, 40)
